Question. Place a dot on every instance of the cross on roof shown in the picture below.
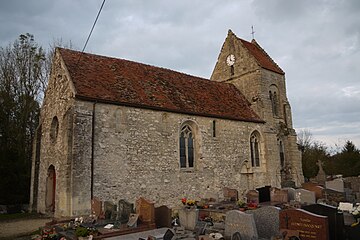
(252, 32)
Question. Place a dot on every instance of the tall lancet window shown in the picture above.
(282, 156)
(186, 147)
(255, 149)
(274, 99)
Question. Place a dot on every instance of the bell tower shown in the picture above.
(247, 66)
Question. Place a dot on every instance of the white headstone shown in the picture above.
(336, 184)
(305, 196)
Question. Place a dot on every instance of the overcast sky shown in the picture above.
(316, 43)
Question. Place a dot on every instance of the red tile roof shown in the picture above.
(264, 60)
(123, 82)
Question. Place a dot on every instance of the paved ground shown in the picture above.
(21, 228)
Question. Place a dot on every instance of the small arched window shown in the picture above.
(187, 150)
(255, 149)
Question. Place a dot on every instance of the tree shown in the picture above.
(347, 162)
(22, 76)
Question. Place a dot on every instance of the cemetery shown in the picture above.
(325, 212)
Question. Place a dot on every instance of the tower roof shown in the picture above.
(263, 59)
(123, 82)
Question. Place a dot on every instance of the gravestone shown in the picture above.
(313, 187)
(335, 219)
(252, 196)
(267, 221)
(264, 194)
(110, 210)
(244, 223)
(353, 232)
(304, 196)
(336, 185)
(188, 218)
(278, 195)
(146, 210)
(230, 194)
(96, 207)
(169, 235)
(124, 210)
(291, 193)
(310, 226)
(163, 217)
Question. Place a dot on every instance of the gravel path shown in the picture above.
(21, 227)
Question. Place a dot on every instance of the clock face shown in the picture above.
(230, 60)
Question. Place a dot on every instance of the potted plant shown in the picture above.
(83, 233)
(241, 204)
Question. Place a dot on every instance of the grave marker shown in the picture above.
(336, 185)
(146, 210)
(252, 196)
(278, 195)
(230, 194)
(125, 209)
(310, 226)
(244, 223)
(304, 196)
(335, 219)
(267, 221)
(264, 194)
(163, 217)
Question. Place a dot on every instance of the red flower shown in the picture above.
(183, 200)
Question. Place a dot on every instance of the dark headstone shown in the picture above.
(353, 232)
(110, 210)
(335, 219)
(146, 210)
(163, 217)
(310, 226)
(230, 194)
(264, 194)
(125, 209)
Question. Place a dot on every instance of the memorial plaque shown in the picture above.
(310, 226)
(278, 195)
(252, 196)
(267, 221)
(163, 217)
(146, 210)
(244, 223)
(335, 219)
(230, 194)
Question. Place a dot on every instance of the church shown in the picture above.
(116, 129)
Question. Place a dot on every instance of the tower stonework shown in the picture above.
(247, 66)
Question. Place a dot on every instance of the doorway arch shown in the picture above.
(50, 189)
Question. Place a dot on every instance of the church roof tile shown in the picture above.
(123, 82)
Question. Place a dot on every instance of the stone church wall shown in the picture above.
(136, 153)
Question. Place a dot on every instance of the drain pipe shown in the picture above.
(92, 150)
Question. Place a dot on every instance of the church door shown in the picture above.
(50, 189)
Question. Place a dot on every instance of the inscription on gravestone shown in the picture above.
(310, 226)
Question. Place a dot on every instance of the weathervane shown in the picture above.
(252, 32)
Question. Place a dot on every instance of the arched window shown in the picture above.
(255, 149)
(187, 150)
(54, 129)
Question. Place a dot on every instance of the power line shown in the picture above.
(93, 26)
